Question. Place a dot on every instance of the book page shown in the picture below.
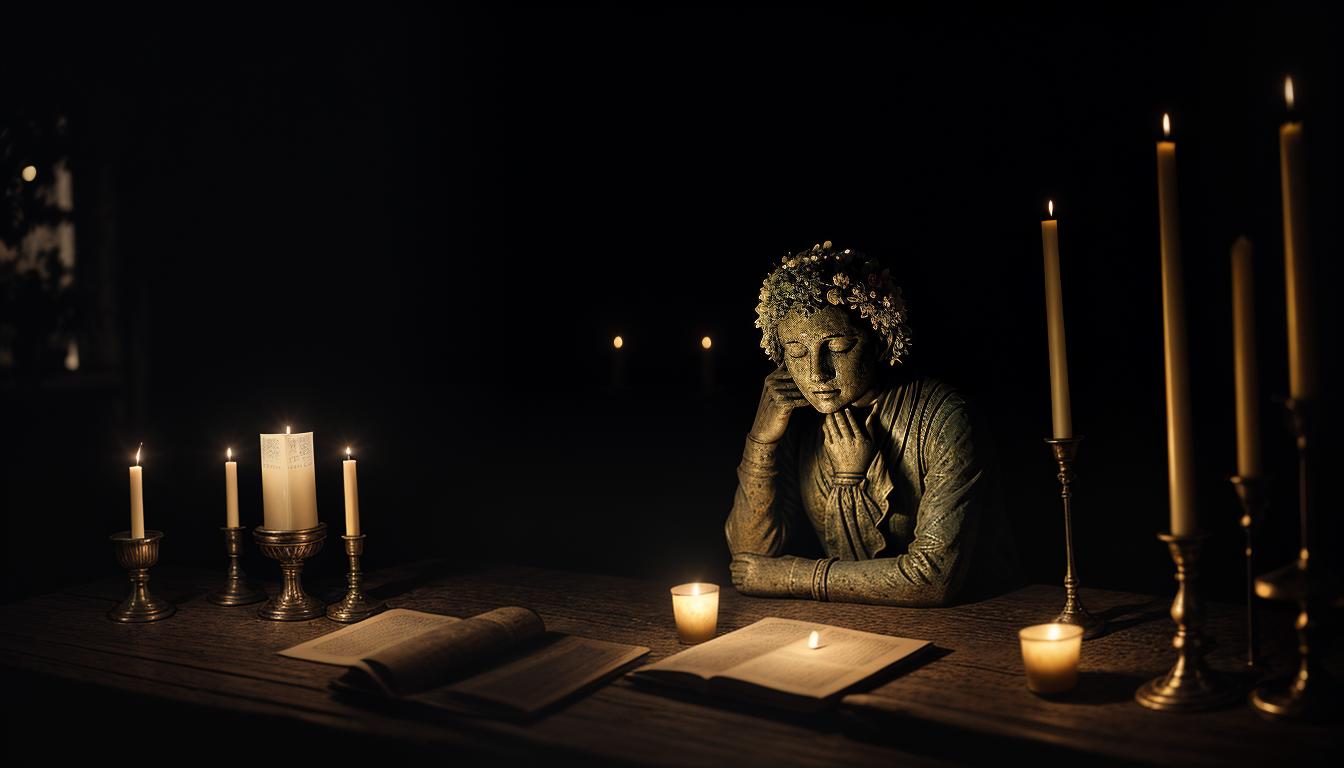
(843, 658)
(345, 647)
(542, 674)
(725, 652)
(429, 659)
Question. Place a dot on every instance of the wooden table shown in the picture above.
(208, 680)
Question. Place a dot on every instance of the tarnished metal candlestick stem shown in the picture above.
(291, 548)
(137, 556)
(1250, 491)
(1189, 685)
(1065, 450)
(356, 606)
(236, 590)
(1309, 693)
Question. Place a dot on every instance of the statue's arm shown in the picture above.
(767, 499)
(934, 566)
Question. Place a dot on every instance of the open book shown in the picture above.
(772, 662)
(501, 663)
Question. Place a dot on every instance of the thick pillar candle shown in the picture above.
(230, 490)
(288, 486)
(1054, 318)
(137, 499)
(1243, 347)
(1180, 456)
(351, 495)
(1296, 259)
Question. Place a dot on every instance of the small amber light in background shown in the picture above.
(706, 342)
(29, 172)
(618, 342)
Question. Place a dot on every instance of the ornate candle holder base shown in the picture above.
(1065, 451)
(1310, 693)
(291, 548)
(1189, 685)
(137, 556)
(236, 590)
(356, 606)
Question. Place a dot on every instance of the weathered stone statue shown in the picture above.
(885, 476)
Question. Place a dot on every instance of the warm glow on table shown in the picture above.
(1050, 656)
(696, 609)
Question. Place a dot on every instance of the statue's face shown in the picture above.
(831, 359)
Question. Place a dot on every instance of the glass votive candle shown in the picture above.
(1050, 655)
(696, 609)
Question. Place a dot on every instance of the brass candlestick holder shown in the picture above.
(1190, 685)
(1250, 491)
(1065, 451)
(236, 590)
(137, 556)
(1308, 694)
(291, 548)
(356, 606)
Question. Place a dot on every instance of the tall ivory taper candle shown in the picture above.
(137, 498)
(1054, 318)
(230, 490)
(1180, 458)
(351, 494)
(1296, 258)
(1243, 347)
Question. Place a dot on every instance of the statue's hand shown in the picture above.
(779, 397)
(761, 576)
(849, 442)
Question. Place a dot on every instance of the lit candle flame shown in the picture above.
(228, 454)
(1288, 91)
(1166, 124)
(137, 454)
(618, 342)
(706, 342)
(695, 589)
(347, 451)
(814, 639)
(286, 429)
(1052, 208)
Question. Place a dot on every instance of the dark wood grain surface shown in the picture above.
(967, 703)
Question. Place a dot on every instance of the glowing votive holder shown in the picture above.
(1050, 655)
(696, 608)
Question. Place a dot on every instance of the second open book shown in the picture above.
(772, 662)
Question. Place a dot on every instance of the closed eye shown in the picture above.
(794, 349)
(841, 345)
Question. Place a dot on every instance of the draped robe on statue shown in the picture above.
(923, 526)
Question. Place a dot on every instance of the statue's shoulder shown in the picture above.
(936, 406)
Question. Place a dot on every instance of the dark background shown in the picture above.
(416, 233)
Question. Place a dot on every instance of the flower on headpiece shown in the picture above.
(819, 277)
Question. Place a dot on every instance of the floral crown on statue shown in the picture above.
(811, 280)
